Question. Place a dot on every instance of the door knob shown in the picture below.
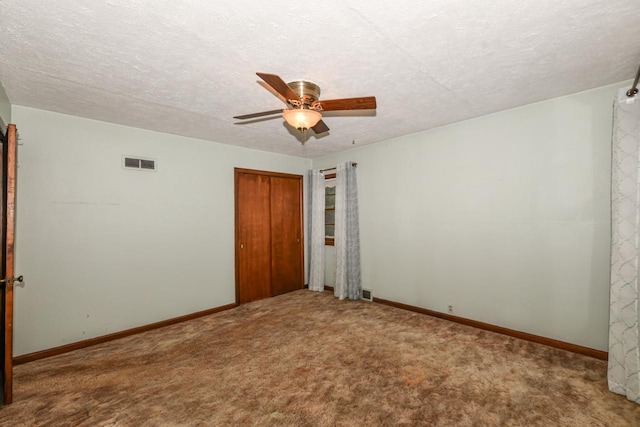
(12, 280)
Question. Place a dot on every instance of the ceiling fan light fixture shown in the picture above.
(302, 118)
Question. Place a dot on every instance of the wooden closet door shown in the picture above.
(253, 237)
(286, 235)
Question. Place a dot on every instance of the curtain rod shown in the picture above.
(634, 89)
(332, 169)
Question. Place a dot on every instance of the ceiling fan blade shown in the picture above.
(279, 86)
(320, 127)
(254, 115)
(365, 103)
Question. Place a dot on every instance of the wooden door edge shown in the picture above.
(9, 214)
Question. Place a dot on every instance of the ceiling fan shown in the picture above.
(304, 106)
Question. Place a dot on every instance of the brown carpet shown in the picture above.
(307, 359)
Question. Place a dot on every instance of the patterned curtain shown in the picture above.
(347, 234)
(624, 336)
(316, 254)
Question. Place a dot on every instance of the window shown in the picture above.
(329, 208)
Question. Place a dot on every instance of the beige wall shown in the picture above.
(5, 107)
(105, 249)
(505, 217)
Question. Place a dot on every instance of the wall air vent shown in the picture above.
(129, 162)
(367, 294)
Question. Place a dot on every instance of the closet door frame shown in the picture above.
(237, 173)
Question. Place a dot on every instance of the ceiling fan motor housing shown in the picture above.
(307, 91)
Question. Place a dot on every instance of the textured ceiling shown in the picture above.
(187, 67)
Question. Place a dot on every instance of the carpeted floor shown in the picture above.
(307, 359)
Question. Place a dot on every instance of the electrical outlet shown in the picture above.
(450, 308)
